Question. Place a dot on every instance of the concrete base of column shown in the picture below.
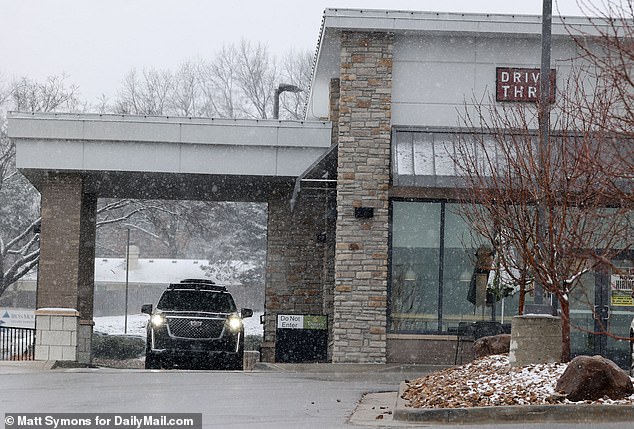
(267, 353)
(56, 334)
(84, 341)
(535, 338)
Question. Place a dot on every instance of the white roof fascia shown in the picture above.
(102, 127)
(411, 21)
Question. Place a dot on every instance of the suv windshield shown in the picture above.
(191, 300)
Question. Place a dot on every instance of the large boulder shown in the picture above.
(594, 377)
(492, 345)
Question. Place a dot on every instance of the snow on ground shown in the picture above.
(114, 325)
(490, 381)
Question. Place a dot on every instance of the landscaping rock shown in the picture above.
(594, 377)
(492, 345)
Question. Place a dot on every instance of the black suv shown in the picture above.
(195, 324)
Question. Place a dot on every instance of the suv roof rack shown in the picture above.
(198, 284)
(206, 281)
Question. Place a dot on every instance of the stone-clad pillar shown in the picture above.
(361, 262)
(294, 263)
(86, 284)
(66, 270)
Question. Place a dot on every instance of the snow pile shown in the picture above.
(490, 381)
(114, 325)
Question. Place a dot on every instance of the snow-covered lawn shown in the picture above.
(114, 325)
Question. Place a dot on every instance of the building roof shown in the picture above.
(164, 271)
(400, 22)
(154, 157)
(161, 271)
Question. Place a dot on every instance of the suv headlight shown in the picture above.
(157, 320)
(235, 323)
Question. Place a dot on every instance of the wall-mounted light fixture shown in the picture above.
(364, 212)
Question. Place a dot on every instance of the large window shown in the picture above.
(432, 266)
(415, 266)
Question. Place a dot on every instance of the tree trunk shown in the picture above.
(522, 300)
(564, 306)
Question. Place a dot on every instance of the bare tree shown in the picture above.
(512, 183)
(238, 82)
(296, 70)
(186, 95)
(54, 94)
(148, 94)
(256, 74)
(19, 239)
(608, 104)
(582, 178)
(218, 83)
(19, 208)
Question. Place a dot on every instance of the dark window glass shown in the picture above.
(428, 297)
(415, 259)
(190, 300)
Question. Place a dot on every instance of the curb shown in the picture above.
(9, 366)
(322, 367)
(578, 413)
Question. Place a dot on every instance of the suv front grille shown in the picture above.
(195, 328)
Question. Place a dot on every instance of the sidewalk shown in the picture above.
(20, 366)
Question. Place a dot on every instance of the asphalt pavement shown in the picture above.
(273, 396)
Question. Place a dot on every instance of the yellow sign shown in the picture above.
(622, 298)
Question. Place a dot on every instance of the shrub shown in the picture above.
(117, 347)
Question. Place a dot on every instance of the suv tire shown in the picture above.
(151, 361)
(236, 363)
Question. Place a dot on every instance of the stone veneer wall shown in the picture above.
(294, 266)
(60, 242)
(330, 224)
(361, 262)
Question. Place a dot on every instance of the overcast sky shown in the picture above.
(95, 42)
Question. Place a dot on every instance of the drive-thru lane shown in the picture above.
(226, 399)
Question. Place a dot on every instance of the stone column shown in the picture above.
(86, 284)
(66, 271)
(293, 263)
(361, 261)
(330, 223)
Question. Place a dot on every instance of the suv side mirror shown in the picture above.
(146, 308)
(246, 312)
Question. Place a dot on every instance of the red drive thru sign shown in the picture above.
(518, 84)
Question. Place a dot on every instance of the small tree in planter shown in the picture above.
(551, 214)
